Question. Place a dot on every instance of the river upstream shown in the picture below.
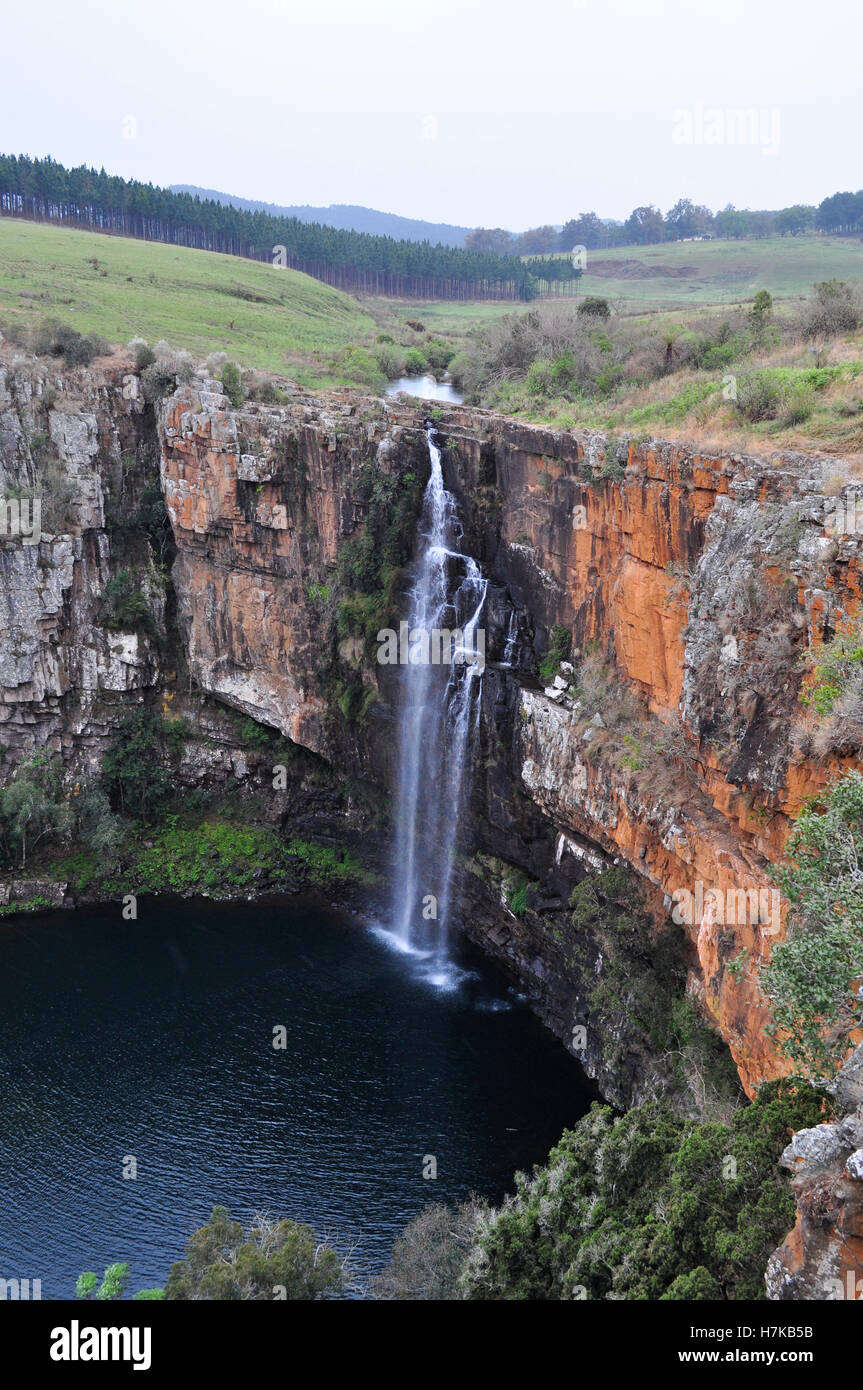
(427, 388)
(153, 1040)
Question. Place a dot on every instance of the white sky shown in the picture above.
(461, 111)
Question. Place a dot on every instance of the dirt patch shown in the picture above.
(639, 270)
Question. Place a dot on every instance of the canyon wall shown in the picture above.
(698, 579)
(692, 580)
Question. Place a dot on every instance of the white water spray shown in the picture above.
(438, 721)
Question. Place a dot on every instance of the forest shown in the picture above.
(43, 190)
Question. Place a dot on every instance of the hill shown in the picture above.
(345, 216)
(264, 316)
(719, 272)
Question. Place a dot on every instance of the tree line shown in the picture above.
(43, 190)
(841, 213)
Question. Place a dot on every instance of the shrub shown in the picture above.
(55, 339)
(810, 976)
(134, 773)
(758, 396)
(416, 363)
(158, 380)
(274, 1259)
(438, 354)
(594, 307)
(835, 307)
(391, 361)
(358, 364)
(558, 651)
(125, 607)
(33, 808)
(232, 384)
(646, 1206)
(429, 1256)
(144, 356)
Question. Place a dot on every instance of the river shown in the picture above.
(427, 388)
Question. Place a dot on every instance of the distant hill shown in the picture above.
(344, 216)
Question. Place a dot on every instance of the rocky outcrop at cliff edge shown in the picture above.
(822, 1257)
(64, 437)
(261, 500)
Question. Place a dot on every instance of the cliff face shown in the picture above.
(699, 580)
(693, 581)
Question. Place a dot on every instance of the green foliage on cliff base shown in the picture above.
(213, 856)
(637, 995)
(647, 1206)
(812, 978)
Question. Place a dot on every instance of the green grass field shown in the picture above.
(263, 316)
(723, 272)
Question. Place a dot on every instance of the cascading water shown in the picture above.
(511, 640)
(438, 719)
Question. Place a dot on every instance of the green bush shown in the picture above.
(144, 356)
(648, 1206)
(416, 362)
(232, 384)
(125, 607)
(438, 354)
(55, 339)
(810, 977)
(157, 381)
(593, 306)
(391, 361)
(559, 650)
(135, 776)
(358, 365)
(758, 396)
(273, 1260)
(33, 808)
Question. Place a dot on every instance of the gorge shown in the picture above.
(688, 581)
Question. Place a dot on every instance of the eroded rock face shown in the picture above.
(822, 1257)
(63, 438)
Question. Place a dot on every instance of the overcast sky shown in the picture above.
(497, 114)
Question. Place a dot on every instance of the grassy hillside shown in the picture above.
(263, 316)
(719, 272)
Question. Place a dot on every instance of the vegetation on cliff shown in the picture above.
(273, 1260)
(812, 978)
(647, 1205)
(740, 374)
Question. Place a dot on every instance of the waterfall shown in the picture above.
(438, 719)
(511, 639)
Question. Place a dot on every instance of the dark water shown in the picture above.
(154, 1039)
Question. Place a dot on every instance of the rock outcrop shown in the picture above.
(822, 1257)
